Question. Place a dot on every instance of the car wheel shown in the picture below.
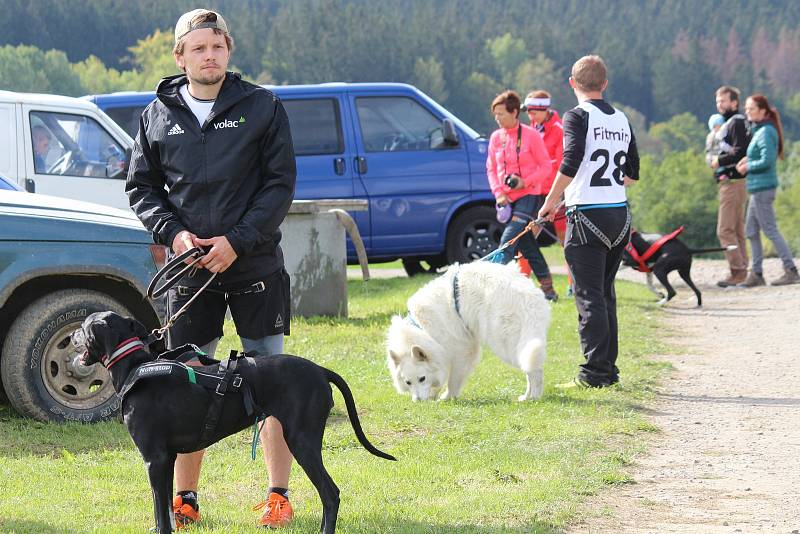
(41, 371)
(473, 234)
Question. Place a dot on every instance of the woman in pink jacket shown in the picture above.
(519, 167)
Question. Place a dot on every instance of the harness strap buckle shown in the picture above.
(237, 381)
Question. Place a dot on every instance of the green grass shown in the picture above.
(483, 463)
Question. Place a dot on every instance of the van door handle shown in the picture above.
(30, 185)
(360, 163)
(338, 166)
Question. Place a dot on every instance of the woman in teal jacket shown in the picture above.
(766, 146)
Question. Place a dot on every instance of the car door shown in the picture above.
(411, 178)
(69, 153)
(324, 151)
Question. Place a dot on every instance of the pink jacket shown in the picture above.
(533, 163)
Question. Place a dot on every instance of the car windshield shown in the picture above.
(7, 184)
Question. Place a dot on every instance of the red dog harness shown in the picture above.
(650, 252)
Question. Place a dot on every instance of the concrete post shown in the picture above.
(315, 254)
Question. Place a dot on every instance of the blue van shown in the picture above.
(422, 170)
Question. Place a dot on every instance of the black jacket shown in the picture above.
(232, 177)
(737, 134)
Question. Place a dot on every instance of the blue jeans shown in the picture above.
(524, 210)
(266, 346)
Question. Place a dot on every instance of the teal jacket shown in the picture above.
(762, 155)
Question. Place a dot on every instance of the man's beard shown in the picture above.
(210, 79)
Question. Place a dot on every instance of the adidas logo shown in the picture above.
(175, 130)
(279, 321)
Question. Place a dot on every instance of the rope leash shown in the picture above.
(540, 223)
(154, 292)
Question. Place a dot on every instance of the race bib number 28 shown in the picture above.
(598, 178)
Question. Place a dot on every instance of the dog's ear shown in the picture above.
(100, 339)
(418, 354)
(137, 328)
(394, 356)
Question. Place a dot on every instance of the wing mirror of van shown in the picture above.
(444, 136)
(449, 131)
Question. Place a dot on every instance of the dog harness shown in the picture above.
(228, 378)
(642, 260)
(456, 301)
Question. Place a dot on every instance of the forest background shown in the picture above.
(665, 57)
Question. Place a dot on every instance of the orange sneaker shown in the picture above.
(278, 511)
(185, 514)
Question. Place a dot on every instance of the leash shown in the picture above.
(154, 291)
(494, 256)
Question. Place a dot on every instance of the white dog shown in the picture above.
(439, 343)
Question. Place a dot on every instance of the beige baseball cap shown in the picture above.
(184, 24)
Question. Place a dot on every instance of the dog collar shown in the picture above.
(123, 349)
(457, 294)
(410, 320)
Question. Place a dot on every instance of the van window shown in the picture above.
(390, 124)
(74, 145)
(127, 117)
(316, 126)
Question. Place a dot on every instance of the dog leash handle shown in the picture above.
(153, 291)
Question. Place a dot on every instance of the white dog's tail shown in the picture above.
(532, 355)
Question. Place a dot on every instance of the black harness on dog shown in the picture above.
(229, 378)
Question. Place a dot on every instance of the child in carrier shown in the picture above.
(716, 145)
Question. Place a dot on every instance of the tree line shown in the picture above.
(666, 58)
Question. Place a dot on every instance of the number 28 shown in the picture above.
(620, 158)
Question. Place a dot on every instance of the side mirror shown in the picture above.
(450, 133)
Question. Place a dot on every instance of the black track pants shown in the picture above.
(594, 268)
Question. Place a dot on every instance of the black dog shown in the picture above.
(166, 414)
(673, 255)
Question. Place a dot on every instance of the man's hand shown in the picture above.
(502, 199)
(221, 255)
(184, 241)
(715, 162)
(627, 181)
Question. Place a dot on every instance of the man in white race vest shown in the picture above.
(600, 160)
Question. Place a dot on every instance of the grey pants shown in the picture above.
(266, 345)
(761, 218)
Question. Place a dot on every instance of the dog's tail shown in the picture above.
(339, 382)
(694, 251)
(531, 355)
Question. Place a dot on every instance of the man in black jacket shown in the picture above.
(213, 166)
(732, 191)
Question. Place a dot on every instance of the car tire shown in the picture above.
(473, 234)
(40, 373)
